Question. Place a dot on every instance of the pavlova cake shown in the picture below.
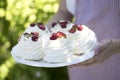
(82, 39)
(31, 44)
(58, 46)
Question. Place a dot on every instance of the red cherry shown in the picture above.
(53, 24)
(34, 38)
(41, 27)
(63, 24)
(53, 36)
(79, 27)
(61, 34)
(32, 24)
(35, 33)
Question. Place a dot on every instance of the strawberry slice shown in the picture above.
(61, 34)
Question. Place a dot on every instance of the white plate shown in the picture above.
(73, 60)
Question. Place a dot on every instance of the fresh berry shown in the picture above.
(27, 35)
(53, 36)
(35, 33)
(53, 24)
(79, 27)
(63, 24)
(41, 26)
(32, 24)
(34, 38)
(61, 34)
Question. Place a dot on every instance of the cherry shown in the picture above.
(32, 24)
(53, 36)
(63, 24)
(79, 27)
(53, 24)
(34, 38)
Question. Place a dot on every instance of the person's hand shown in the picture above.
(105, 50)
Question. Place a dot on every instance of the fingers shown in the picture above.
(85, 63)
(103, 53)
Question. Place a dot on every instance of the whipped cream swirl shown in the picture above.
(83, 41)
(31, 44)
(57, 51)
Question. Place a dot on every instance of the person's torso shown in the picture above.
(103, 17)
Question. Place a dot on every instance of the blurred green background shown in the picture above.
(15, 16)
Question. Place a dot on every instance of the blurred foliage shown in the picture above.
(15, 16)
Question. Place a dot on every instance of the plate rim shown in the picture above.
(80, 59)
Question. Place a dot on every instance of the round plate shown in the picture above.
(73, 60)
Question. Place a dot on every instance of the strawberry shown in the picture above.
(32, 24)
(34, 38)
(53, 36)
(79, 27)
(35, 33)
(61, 34)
